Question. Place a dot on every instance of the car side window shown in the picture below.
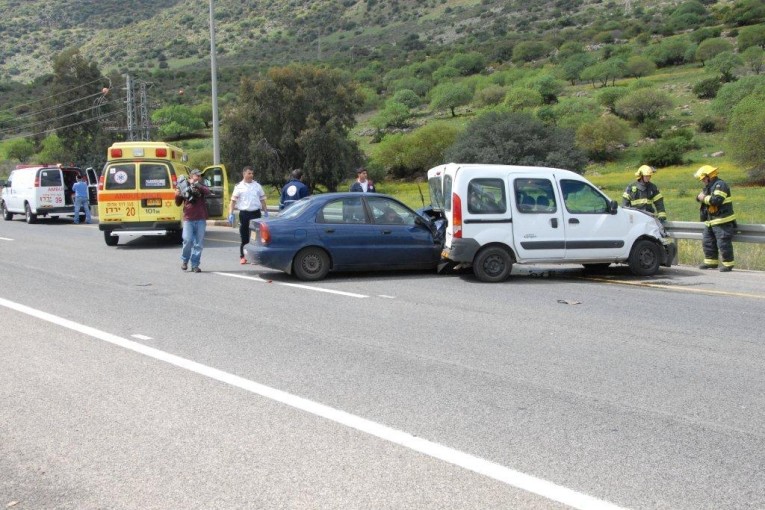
(486, 196)
(50, 178)
(120, 177)
(344, 210)
(535, 196)
(389, 212)
(581, 198)
(154, 176)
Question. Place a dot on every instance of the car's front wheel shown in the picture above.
(7, 216)
(311, 264)
(493, 264)
(645, 258)
(109, 239)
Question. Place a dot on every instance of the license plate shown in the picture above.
(154, 202)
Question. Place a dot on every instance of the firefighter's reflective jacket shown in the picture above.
(645, 196)
(717, 206)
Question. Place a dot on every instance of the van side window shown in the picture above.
(154, 176)
(120, 177)
(447, 192)
(486, 196)
(50, 178)
(581, 198)
(535, 196)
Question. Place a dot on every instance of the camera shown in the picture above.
(189, 190)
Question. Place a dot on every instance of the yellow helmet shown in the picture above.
(644, 170)
(705, 171)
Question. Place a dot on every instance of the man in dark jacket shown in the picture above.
(716, 212)
(362, 184)
(195, 215)
(294, 190)
(644, 194)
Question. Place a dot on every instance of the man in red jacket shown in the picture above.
(194, 219)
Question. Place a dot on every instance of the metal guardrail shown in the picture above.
(693, 230)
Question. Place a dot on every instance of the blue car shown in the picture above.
(345, 232)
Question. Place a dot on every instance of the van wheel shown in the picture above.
(109, 239)
(311, 264)
(7, 216)
(493, 265)
(31, 218)
(645, 258)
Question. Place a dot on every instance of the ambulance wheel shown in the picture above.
(30, 217)
(176, 237)
(492, 265)
(645, 258)
(311, 264)
(109, 239)
(7, 216)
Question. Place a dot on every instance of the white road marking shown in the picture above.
(386, 297)
(296, 285)
(141, 337)
(452, 456)
(5, 239)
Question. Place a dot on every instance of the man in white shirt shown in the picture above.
(250, 199)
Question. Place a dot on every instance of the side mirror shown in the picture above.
(613, 206)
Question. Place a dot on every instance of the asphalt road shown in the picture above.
(127, 383)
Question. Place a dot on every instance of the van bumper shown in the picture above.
(142, 226)
(461, 251)
(670, 254)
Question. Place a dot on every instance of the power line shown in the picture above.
(57, 106)
(94, 119)
(47, 121)
(10, 110)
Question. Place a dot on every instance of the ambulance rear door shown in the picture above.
(156, 193)
(214, 177)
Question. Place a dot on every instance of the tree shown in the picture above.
(725, 63)
(394, 114)
(53, 149)
(602, 138)
(204, 112)
(298, 116)
(709, 48)
(175, 121)
(643, 104)
(21, 149)
(516, 139)
(669, 52)
(611, 69)
(639, 66)
(407, 97)
(467, 63)
(406, 155)
(746, 133)
(450, 95)
(754, 57)
(732, 93)
(574, 65)
(528, 51)
(521, 98)
(548, 86)
(751, 36)
(74, 114)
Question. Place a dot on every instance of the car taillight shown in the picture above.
(174, 180)
(37, 181)
(456, 216)
(265, 233)
(101, 183)
(116, 153)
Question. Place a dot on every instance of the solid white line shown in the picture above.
(5, 239)
(386, 296)
(141, 337)
(296, 285)
(452, 456)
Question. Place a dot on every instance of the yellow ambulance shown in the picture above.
(136, 191)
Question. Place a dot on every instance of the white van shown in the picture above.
(500, 215)
(36, 191)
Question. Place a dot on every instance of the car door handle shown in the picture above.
(387, 231)
(573, 220)
(329, 230)
(554, 222)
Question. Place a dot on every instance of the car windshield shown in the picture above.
(436, 193)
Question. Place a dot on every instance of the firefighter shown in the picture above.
(717, 214)
(644, 195)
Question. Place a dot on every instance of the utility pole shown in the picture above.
(214, 76)
(130, 103)
(145, 123)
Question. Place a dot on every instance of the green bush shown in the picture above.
(707, 89)
(710, 124)
(732, 93)
(665, 152)
(407, 97)
(520, 98)
(406, 155)
(643, 104)
(746, 133)
(602, 138)
(490, 96)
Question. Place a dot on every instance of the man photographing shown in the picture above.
(192, 195)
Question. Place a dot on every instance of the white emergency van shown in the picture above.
(35, 191)
(500, 215)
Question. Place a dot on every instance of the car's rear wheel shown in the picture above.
(176, 237)
(493, 264)
(7, 216)
(109, 239)
(645, 258)
(29, 215)
(311, 264)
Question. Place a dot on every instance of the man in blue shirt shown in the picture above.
(80, 196)
(294, 190)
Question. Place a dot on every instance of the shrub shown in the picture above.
(642, 104)
(450, 96)
(490, 96)
(665, 152)
(639, 65)
(707, 89)
(746, 133)
(601, 139)
(711, 124)
(730, 94)
(608, 97)
(407, 97)
(519, 98)
(710, 48)
(516, 138)
(405, 155)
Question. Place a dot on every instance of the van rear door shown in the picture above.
(214, 177)
(49, 190)
(155, 200)
(538, 229)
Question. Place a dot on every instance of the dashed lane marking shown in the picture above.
(295, 285)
